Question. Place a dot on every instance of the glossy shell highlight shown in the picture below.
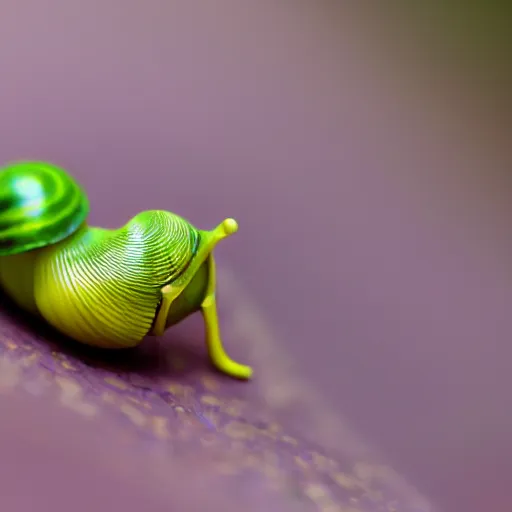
(40, 204)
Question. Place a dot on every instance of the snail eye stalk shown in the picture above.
(218, 355)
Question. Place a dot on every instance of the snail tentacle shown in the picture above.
(218, 355)
(168, 295)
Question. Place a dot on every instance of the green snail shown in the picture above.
(101, 287)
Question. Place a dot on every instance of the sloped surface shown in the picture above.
(157, 427)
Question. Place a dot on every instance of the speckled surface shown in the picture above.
(173, 411)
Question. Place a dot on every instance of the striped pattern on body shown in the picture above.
(40, 204)
(103, 287)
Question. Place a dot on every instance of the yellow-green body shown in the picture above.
(107, 288)
(100, 287)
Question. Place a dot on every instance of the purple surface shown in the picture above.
(148, 427)
(379, 145)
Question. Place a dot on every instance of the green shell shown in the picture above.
(40, 204)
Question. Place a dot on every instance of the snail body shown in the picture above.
(107, 288)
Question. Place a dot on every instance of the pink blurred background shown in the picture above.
(364, 153)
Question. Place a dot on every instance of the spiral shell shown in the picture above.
(40, 204)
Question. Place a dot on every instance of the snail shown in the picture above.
(106, 288)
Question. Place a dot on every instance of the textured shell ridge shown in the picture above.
(40, 204)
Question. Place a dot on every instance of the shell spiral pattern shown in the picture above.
(40, 204)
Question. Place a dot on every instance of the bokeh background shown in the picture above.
(365, 153)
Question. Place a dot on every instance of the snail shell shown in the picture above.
(40, 204)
